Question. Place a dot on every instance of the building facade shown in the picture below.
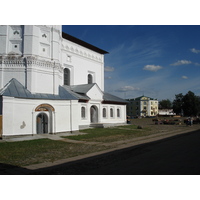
(52, 82)
(166, 112)
(142, 107)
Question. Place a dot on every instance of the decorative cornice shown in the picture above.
(81, 51)
(48, 27)
(19, 61)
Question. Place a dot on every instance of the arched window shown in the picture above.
(111, 112)
(83, 112)
(90, 79)
(104, 112)
(118, 112)
(66, 76)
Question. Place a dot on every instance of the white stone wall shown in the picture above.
(81, 62)
(43, 41)
(32, 55)
(108, 119)
(95, 93)
(19, 116)
(3, 39)
(115, 119)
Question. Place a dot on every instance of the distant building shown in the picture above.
(142, 107)
(166, 112)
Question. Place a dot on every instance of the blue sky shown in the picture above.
(155, 60)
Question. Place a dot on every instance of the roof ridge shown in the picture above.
(82, 43)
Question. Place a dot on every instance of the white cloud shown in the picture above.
(126, 89)
(109, 69)
(153, 68)
(193, 50)
(184, 77)
(107, 77)
(182, 62)
(197, 64)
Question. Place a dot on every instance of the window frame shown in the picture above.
(90, 79)
(66, 76)
(118, 113)
(104, 113)
(111, 112)
(83, 112)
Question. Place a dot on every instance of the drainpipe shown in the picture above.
(2, 66)
(51, 43)
(25, 70)
(54, 78)
(70, 116)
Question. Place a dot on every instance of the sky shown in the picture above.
(157, 61)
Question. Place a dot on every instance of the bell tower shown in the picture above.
(32, 55)
(43, 41)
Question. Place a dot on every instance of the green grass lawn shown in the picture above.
(110, 134)
(43, 150)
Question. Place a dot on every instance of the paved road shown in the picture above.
(179, 155)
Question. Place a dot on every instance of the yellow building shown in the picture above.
(142, 107)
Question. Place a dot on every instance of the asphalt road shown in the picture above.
(178, 155)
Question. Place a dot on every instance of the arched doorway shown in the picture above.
(42, 123)
(44, 118)
(94, 114)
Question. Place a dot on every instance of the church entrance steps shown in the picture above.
(106, 125)
(97, 125)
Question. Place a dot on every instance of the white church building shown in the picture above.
(52, 82)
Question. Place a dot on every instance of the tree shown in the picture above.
(188, 104)
(178, 104)
(165, 104)
(191, 104)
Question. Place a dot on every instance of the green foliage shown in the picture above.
(165, 104)
(178, 103)
(188, 104)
